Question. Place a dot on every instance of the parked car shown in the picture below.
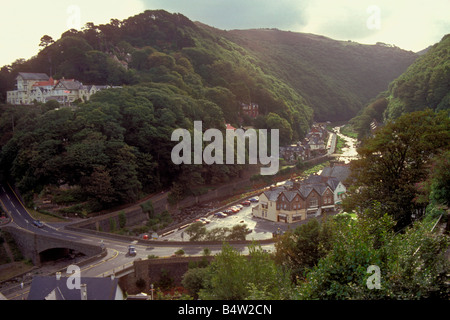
(228, 211)
(201, 221)
(239, 206)
(206, 220)
(235, 209)
(132, 250)
(246, 203)
(220, 215)
(38, 223)
(254, 199)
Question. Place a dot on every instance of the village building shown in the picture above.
(251, 109)
(91, 288)
(39, 87)
(300, 200)
(311, 146)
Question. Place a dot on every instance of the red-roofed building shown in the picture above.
(39, 87)
(48, 83)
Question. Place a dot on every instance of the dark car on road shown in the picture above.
(132, 250)
(38, 223)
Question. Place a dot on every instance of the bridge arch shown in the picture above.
(36, 246)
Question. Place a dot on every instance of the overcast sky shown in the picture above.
(409, 24)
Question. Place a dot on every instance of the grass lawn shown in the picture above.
(44, 217)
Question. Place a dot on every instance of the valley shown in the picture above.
(124, 133)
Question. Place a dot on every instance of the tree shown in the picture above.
(98, 185)
(274, 121)
(395, 160)
(122, 219)
(46, 40)
(233, 276)
(435, 189)
(238, 232)
(196, 231)
(411, 265)
(301, 249)
(194, 280)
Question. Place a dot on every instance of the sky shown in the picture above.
(409, 24)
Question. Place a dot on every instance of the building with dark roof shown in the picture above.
(301, 199)
(340, 171)
(61, 288)
(40, 87)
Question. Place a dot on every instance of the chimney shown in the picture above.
(58, 276)
(83, 291)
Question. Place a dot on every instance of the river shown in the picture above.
(349, 151)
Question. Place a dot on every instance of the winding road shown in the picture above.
(116, 259)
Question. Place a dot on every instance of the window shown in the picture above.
(313, 202)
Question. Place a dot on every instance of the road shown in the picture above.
(116, 259)
(331, 145)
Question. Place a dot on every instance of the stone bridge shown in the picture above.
(38, 247)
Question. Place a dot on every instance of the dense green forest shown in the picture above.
(173, 71)
(113, 149)
(288, 73)
(336, 78)
(425, 84)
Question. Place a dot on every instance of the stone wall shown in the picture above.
(134, 216)
(151, 270)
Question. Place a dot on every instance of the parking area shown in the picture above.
(260, 229)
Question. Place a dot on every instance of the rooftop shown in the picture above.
(33, 76)
(52, 288)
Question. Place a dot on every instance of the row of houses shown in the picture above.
(31, 87)
(312, 145)
(297, 200)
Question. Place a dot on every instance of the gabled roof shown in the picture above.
(306, 189)
(290, 195)
(51, 288)
(341, 172)
(272, 195)
(333, 182)
(33, 76)
(230, 127)
(69, 84)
